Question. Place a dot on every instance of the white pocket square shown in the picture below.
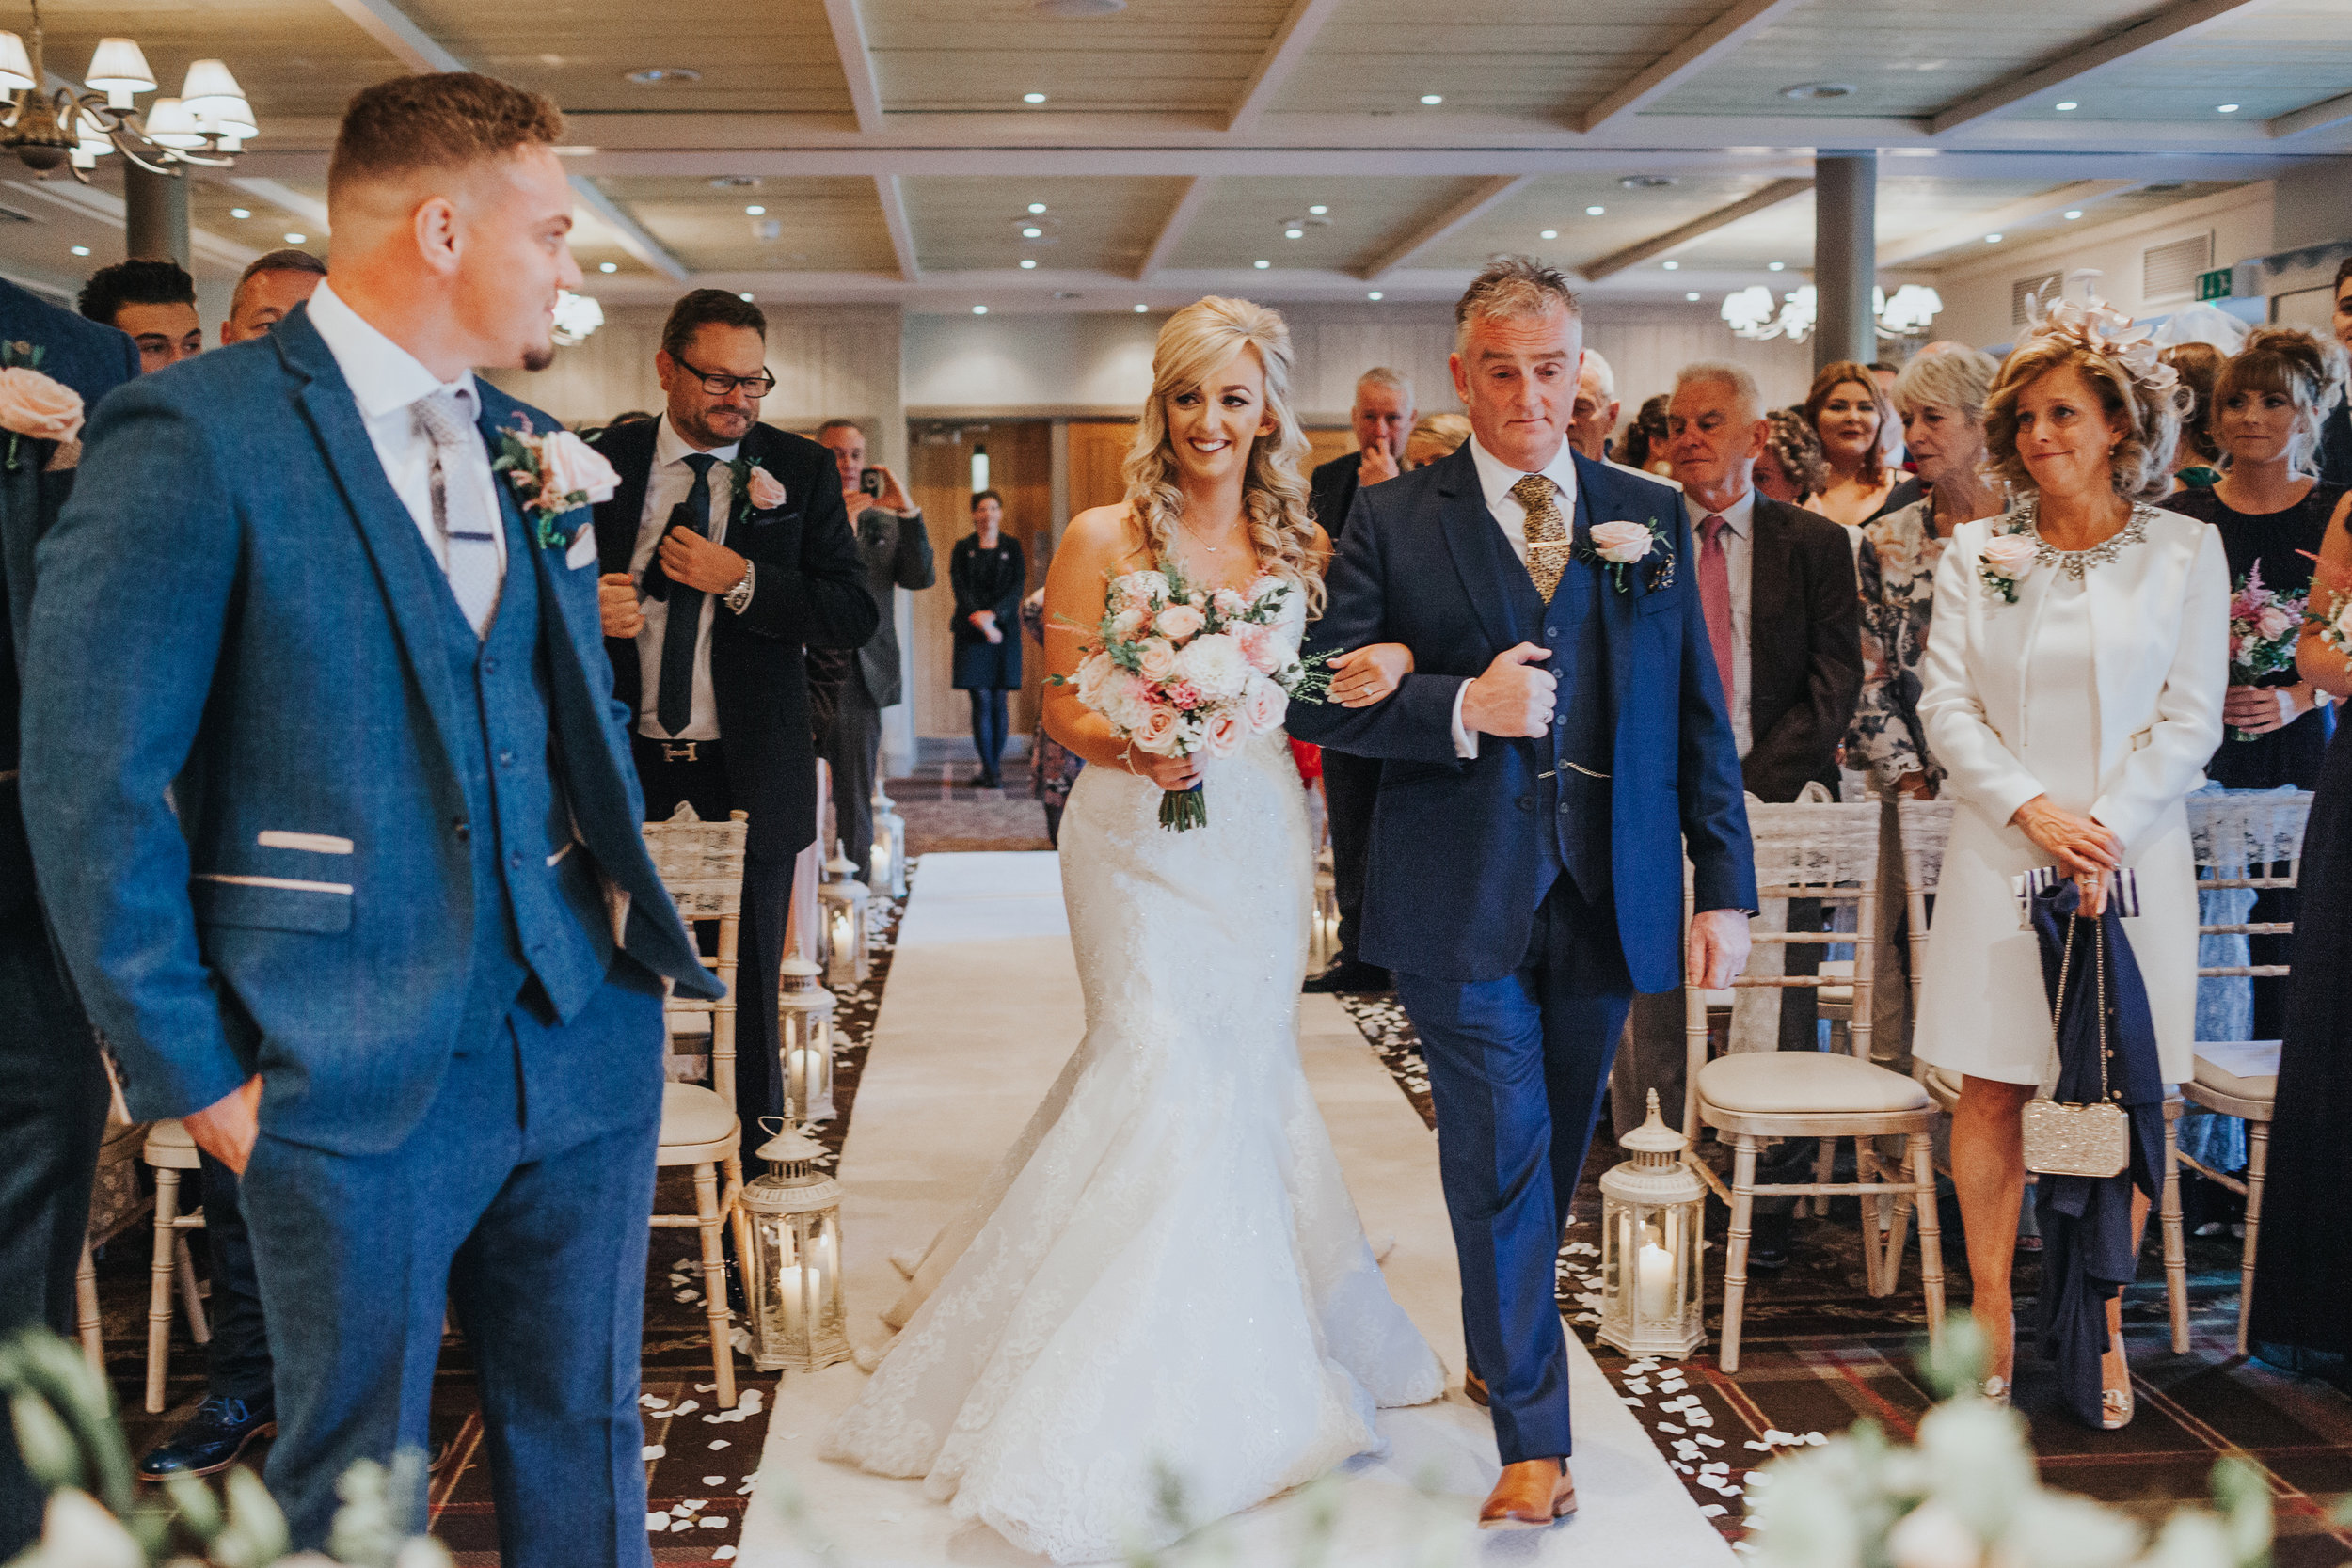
(583, 550)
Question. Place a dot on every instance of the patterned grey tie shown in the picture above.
(470, 546)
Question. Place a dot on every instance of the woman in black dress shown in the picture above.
(2268, 404)
(2303, 1275)
(988, 575)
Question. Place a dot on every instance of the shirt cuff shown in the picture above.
(1464, 742)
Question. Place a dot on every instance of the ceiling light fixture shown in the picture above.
(1813, 92)
(1373, 294)
(2069, 107)
(297, 239)
(1318, 210)
(577, 316)
(1672, 266)
(657, 75)
(1032, 98)
(1775, 266)
(1992, 239)
(980, 310)
(2074, 213)
(1547, 234)
(1293, 234)
(1142, 308)
(745, 296)
(1262, 263)
(240, 211)
(81, 250)
(1595, 212)
(1031, 231)
(755, 210)
(1027, 264)
(2225, 108)
(1433, 99)
(607, 266)
(208, 123)
(1693, 294)
(1037, 207)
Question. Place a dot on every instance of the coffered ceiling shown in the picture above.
(1291, 149)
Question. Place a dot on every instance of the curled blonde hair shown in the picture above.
(2148, 416)
(1196, 342)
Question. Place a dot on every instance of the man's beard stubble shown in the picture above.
(539, 359)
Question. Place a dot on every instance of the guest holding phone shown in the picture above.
(988, 572)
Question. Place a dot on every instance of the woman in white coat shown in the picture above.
(2073, 691)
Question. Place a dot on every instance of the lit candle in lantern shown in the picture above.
(790, 1283)
(1654, 1272)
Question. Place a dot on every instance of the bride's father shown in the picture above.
(1562, 738)
(338, 826)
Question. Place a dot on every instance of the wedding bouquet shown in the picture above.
(1178, 670)
(2333, 624)
(2265, 626)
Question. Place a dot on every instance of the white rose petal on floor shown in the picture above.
(981, 1011)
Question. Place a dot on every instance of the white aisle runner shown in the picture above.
(981, 1011)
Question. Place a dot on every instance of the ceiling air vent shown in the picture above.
(2170, 271)
(2044, 283)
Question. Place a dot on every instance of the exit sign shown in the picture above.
(2215, 284)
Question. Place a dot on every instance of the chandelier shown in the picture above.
(208, 123)
(1751, 312)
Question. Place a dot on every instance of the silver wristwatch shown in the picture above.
(739, 598)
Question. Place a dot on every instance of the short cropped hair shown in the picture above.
(1954, 378)
(839, 424)
(135, 282)
(2147, 419)
(701, 308)
(1512, 287)
(979, 496)
(438, 119)
(1396, 381)
(1723, 373)
(288, 260)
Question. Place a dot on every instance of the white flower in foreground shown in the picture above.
(76, 1532)
(1214, 663)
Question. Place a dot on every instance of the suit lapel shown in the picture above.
(414, 591)
(1596, 499)
(1483, 560)
(617, 520)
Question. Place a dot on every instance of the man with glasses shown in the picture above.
(726, 553)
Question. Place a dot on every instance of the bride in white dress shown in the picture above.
(1165, 1280)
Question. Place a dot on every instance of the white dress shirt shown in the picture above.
(665, 487)
(385, 379)
(1495, 478)
(1739, 538)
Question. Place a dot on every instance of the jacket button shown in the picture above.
(1551, 634)
(515, 861)
(489, 664)
(465, 832)
(1564, 808)
(506, 759)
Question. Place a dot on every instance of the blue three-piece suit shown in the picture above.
(1523, 896)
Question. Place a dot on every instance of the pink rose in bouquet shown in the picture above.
(1225, 735)
(1257, 646)
(1228, 603)
(2265, 626)
(1179, 622)
(1265, 705)
(1160, 732)
(1155, 658)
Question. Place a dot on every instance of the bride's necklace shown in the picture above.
(1213, 549)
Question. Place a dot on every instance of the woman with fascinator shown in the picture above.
(2072, 691)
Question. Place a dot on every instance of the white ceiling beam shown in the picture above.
(389, 26)
(1172, 227)
(857, 63)
(1675, 238)
(2317, 117)
(2032, 209)
(1480, 197)
(2175, 24)
(1706, 46)
(1283, 56)
(628, 231)
(894, 211)
(89, 201)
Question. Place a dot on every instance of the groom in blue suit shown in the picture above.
(1561, 741)
(337, 824)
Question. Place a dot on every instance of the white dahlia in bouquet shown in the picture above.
(1178, 670)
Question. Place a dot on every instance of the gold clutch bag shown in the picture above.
(2094, 1140)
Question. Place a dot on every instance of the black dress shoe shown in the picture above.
(1768, 1241)
(212, 1439)
(1348, 975)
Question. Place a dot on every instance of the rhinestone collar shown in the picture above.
(2075, 563)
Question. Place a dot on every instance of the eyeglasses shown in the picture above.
(719, 386)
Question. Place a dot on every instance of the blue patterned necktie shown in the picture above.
(470, 546)
(675, 705)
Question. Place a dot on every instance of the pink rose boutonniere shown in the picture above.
(766, 493)
(2004, 562)
(553, 474)
(32, 403)
(1617, 547)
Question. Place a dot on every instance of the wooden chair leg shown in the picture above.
(2257, 1167)
(715, 1282)
(1736, 1255)
(1904, 1195)
(86, 1311)
(1931, 1234)
(183, 1269)
(1824, 1163)
(159, 1273)
(2176, 1235)
(741, 1219)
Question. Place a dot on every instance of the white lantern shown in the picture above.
(794, 1289)
(804, 1010)
(1652, 1214)
(889, 870)
(841, 942)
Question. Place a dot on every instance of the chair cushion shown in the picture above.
(693, 1114)
(2243, 1069)
(1799, 1083)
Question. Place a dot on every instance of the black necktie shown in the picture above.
(675, 707)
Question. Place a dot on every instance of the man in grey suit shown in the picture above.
(337, 828)
(898, 551)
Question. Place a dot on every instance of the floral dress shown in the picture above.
(1896, 572)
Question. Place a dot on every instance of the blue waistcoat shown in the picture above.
(1575, 795)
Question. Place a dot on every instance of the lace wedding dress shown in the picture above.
(1165, 1279)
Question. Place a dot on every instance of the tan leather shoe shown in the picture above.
(1475, 1387)
(1531, 1495)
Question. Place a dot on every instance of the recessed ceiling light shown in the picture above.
(2069, 107)
(1992, 239)
(81, 250)
(1036, 207)
(1373, 294)
(654, 75)
(1595, 212)
(1262, 263)
(1142, 308)
(2074, 213)
(1318, 209)
(297, 239)
(1031, 231)
(980, 310)
(1433, 99)
(1775, 266)
(1547, 234)
(1293, 234)
(1079, 7)
(1027, 264)
(755, 210)
(2225, 108)
(1692, 295)
(745, 296)
(1672, 266)
(1810, 91)
(240, 211)
(1032, 98)
(607, 266)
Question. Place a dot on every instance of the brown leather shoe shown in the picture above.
(1474, 1387)
(1531, 1495)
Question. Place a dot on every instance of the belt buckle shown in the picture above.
(682, 752)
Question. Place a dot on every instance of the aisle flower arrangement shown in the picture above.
(1178, 670)
(2265, 626)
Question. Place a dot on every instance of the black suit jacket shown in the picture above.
(1805, 649)
(809, 592)
(2335, 446)
(1331, 491)
(897, 553)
